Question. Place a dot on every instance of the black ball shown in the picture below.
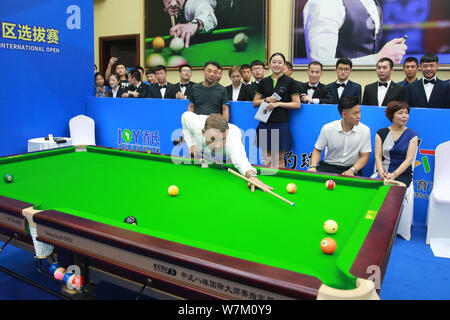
(130, 220)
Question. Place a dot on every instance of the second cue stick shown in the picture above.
(252, 182)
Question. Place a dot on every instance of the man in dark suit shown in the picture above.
(162, 89)
(410, 68)
(137, 88)
(314, 91)
(184, 87)
(383, 91)
(343, 87)
(258, 68)
(429, 92)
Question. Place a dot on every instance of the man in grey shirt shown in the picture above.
(208, 96)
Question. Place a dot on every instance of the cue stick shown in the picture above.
(237, 174)
(172, 20)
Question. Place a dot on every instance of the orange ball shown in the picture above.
(158, 44)
(173, 190)
(291, 187)
(328, 245)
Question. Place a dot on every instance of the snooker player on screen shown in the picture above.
(214, 136)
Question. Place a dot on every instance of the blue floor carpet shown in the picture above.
(413, 273)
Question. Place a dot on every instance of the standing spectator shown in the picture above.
(246, 74)
(313, 91)
(347, 142)
(383, 91)
(237, 91)
(257, 68)
(410, 68)
(209, 96)
(116, 91)
(151, 77)
(183, 88)
(101, 90)
(396, 145)
(343, 87)
(137, 88)
(219, 74)
(429, 92)
(278, 121)
(162, 89)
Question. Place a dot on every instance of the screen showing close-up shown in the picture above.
(365, 30)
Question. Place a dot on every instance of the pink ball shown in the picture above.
(59, 273)
(330, 184)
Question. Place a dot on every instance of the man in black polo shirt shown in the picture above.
(209, 96)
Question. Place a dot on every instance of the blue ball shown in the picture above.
(66, 277)
(53, 267)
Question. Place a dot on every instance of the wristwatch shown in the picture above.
(252, 174)
(354, 170)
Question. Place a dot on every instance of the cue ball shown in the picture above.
(158, 44)
(291, 187)
(176, 45)
(328, 245)
(330, 184)
(240, 41)
(130, 220)
(8, 178)
(330, 226)
(176, 61)
(155, 59)
(173, 190)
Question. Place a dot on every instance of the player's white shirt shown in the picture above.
(322, 20)
(343, 148)
(192, 132)
(202, 10)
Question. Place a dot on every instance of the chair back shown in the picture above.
(82, 131)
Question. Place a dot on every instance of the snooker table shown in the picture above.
(215, 239)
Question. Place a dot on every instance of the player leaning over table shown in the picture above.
(212, 134)
(347, 142)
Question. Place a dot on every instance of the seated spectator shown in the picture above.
(209, 96)
(101, 90)
(151, 77)
(246, 74)
(183, 88)
(429, 92)
(343, 86)
(288, 70)
(383, 91)
(347, 141)
(116, 91)
(396, 146)
(313, 91)
(137, 88)
(162, 89)
(141, 71)
(237, 91)
(410, 68)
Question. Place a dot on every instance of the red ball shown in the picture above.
(328, 245)
(330, 184)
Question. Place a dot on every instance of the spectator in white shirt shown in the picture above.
(347, 142)
(215, 137)
(237, 91)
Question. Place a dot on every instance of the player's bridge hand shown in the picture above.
(259, 182)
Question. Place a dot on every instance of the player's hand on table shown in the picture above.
(256, 180)
(184, 31)
(389, 176)
(195, 151)
(349, 172)
(312, 169)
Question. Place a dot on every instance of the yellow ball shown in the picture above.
(173, 191)
(330, 226)
(291, 187)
